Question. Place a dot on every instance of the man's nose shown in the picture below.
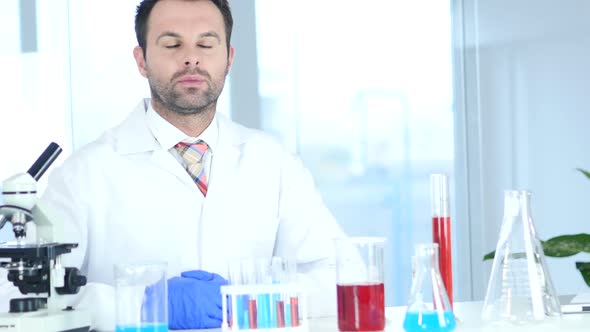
(190, 62)
(191, 58)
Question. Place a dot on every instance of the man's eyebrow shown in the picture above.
(210, 34)
(167, 34)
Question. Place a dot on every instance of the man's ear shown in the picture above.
(140, 60)
(230, 59)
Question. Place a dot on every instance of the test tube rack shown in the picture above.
(271, 307)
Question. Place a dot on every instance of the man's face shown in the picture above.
(186, 60)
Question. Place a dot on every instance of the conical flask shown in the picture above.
(428, 307)
(520, 289)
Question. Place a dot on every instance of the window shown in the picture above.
(363, 92)
(34, 63)
(35, 82)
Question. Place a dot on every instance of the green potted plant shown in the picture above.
(566, 245)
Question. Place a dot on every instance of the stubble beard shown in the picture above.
(186, 101)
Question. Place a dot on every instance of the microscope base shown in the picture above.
(41, 321)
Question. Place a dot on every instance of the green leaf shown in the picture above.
(489, 255)
(561, 246)
(584, 268)
(567, 245)
(584, 172)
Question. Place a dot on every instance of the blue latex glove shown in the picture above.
(194, 300)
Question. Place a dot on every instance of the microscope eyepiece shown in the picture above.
(44, 161)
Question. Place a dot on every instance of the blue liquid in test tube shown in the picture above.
(240, 311)
(263, 311)
(245, 312)
(287, 313)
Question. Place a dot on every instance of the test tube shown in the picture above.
(441, 228)
(249, 278)
(277, 314)
(263, 277)
(280, 313)
(294, 310)
(237, 306)
(293, 301)
(252, 313)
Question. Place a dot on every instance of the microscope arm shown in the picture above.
(2, 220)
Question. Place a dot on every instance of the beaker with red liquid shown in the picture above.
(441, 228)
(360, 284)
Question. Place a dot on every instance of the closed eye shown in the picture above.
(173, 46)
(205, 46)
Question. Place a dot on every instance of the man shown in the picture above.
(138, 194)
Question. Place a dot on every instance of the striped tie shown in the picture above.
(193, 153)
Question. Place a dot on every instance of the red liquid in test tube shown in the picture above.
(280, 314)
(252, 312)
(441, 228)
(294, 311)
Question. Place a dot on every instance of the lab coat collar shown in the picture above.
(225, 162)
(168, 135)
(133, 135)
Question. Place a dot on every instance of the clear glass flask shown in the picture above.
(428, 307)
(520, 289)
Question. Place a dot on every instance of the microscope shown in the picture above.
(35, 267)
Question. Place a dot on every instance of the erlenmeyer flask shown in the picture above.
(428, 306)
(520, 287)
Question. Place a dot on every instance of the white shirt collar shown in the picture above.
(168, 135)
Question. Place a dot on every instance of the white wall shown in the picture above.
(526, 121)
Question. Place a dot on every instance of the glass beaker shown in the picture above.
(520, 287)
(141, 297)
(360, 283)
(428, 307)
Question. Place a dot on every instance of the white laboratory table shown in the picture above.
(469, 315)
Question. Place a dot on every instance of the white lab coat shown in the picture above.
(124, 198)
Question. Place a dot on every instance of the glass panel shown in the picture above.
(527, 69)
(10, 24)
(364, 94)
(34, 84)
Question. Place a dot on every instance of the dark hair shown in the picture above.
(145, 8)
